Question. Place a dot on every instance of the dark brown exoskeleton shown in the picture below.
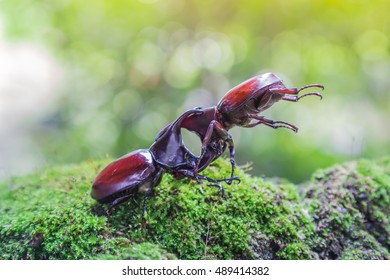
(143, 169)
(124, 177)
(139, 171)
(240, 106)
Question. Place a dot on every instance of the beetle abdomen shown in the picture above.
(124, 176)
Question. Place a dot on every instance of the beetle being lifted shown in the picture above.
(240, 106)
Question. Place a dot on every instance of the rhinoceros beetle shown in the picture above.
(241, 106)
(124, 177)
(142, 169)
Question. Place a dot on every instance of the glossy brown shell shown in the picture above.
(238, 96)
(125, 175)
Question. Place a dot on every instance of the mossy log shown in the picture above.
(341, 213)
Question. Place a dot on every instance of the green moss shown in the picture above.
(350, 209)
(50, 215)
(138, 251)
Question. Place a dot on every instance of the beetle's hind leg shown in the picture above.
(116, 202)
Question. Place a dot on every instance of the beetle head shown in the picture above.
(249, 97)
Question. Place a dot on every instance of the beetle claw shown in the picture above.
(230, 180)
(278, 124)
(108, 211)
(221, 189)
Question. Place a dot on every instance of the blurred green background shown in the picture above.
(82, 80)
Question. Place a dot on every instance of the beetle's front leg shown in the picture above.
(209, 154)
(191, 174)
(205, 143)
(270, 123)
(232, 152)
(291, 94)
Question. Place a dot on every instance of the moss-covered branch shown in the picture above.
(343, 212)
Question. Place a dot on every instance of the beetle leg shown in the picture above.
(221, 190)
(310, 86)
(155, 181)
(232, 153)
(199, 178)
(295, 98)
(291, 94)
(146, 196)
(296, 90)
(116, 202)
(270, 123)
(216, 127)
(229, 180)
(205, 143)
(214, 183)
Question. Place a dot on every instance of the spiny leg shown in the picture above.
(155, 181)
(215, 182)
(215, 128)
(291, 94)
(270, 123)
(229, 180)
(116, 202)
(232, 160)
(212, 182)
(296, 98)
(146, 196)
(221, 189)
(311, 86)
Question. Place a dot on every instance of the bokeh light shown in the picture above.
(81, 80)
